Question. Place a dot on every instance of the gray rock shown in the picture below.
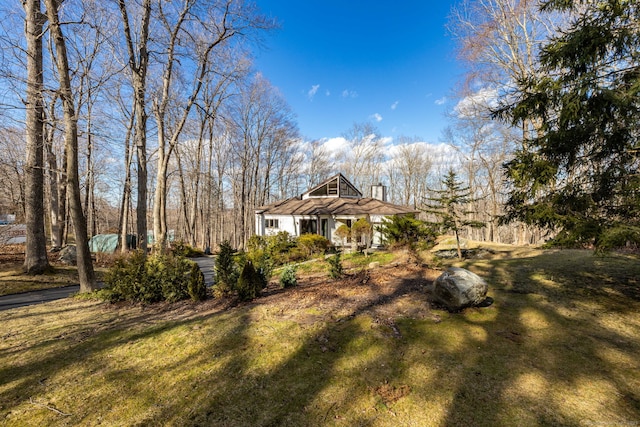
(458, 288)
(68, 255)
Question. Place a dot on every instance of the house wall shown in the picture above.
(376, 221)
(291, 224)
(285, 223)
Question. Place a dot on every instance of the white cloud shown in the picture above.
(327, 93)
(334, 145)
(312, 92)
(441, 101)
(349, 93)
(395, 105)
(377, 117)
(477, 103)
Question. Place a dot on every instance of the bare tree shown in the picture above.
(138, 64)
(194, 31)
(411, 161)
(12, 184)
(498, 41)
(362, 157)
(56, 165)
(264, 134)
(85, 267)
(319, 165)
(35, 261)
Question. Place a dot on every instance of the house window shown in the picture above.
(271, 223)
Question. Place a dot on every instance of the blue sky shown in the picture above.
(340, 62)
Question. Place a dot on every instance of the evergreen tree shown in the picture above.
(449, 207)
(578, 172)
(226, 270)
(405, 230)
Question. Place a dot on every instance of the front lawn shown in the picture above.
(558, 346)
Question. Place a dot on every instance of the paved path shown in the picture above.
(36, 297)
(8, 302)
(206, 264)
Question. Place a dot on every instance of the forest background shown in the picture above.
(148, 115)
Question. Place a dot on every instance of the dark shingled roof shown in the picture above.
(334, 206)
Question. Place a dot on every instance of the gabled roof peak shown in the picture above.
(336, 186)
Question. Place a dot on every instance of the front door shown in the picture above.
(324, 228)
(308, 226)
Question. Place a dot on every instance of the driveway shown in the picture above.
(36, 297)
(8, 302)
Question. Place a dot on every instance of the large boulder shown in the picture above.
(458, 288)
(68, 255)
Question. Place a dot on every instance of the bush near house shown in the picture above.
(313, 244)
(362, 233)
(343, 233)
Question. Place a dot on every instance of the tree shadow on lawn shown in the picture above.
(529, 359)
(526, 360)
(561, 350)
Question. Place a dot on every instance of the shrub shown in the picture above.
(149, 279)
(249, 283)
(288, 277)
(126, 279)
(264, 265)
(180, 248)
(197, 288)
(256, 243)
(170, 274)
(343, 233)
(226, 270)
(362, 232)
(335, 266)
(278, 246)
(313, 244)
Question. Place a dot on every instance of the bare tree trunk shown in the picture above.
(85, 267)
(57, 186)
(189, 226)
(138, 65)
(35, 260)
(123, 221)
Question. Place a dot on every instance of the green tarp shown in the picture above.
(108, 243)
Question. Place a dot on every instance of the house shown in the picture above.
(324, 208)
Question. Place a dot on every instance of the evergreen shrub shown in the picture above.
(197, 288)
(183, 249)
(335, 266)
(249, 283)
(148, 279)
(226, 271)
(288, 277)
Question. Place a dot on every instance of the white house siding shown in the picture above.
(285, 223)
(376, 221)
